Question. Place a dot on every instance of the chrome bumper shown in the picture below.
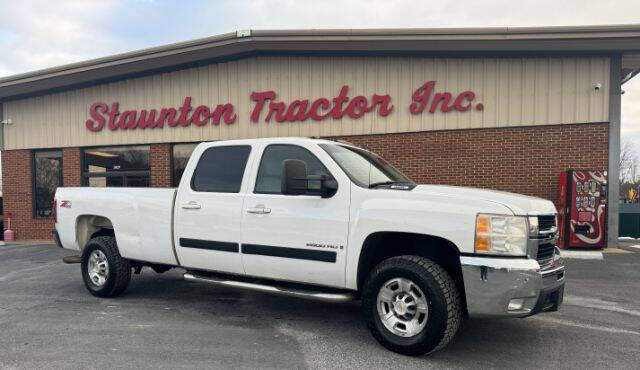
(508, 287)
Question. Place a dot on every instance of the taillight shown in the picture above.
(55, 211)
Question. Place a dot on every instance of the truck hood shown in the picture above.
(519, 204)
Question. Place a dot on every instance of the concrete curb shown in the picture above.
(630, 248)
(26, 242)
(582, 255)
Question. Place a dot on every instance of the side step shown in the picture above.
(72, 259)
(286, 291)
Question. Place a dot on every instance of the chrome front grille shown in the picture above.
(546, 240)
(546, 223)
(545, 254)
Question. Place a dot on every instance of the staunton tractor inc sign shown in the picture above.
(424, 99)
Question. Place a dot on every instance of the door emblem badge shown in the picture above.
(324, 246)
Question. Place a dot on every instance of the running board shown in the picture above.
(285, 291)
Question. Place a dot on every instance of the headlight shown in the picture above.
(501, 235)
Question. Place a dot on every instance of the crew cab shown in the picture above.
(325, 220)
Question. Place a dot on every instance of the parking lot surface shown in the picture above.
(48, 319)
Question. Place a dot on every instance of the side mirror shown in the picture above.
(294, 177)
(295, 180)
(328, 187)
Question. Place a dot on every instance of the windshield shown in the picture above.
(365, 168)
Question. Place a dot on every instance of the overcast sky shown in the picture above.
(39, 34)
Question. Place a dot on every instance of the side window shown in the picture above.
(269, 179)
(220, 169)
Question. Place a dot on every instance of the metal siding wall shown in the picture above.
(514, 91)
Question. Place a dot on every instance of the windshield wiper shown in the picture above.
(383, 183)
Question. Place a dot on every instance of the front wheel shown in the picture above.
(411, 305)
(104, 271)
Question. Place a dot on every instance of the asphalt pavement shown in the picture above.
(49, 320)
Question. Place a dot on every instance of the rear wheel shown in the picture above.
(411, 305)
(104, 271)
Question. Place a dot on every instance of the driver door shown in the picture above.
(300, 238)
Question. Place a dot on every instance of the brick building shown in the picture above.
(500, 108)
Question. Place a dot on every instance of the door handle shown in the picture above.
(190, 205)
(259, 210)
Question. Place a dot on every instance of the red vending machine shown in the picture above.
(582, 213)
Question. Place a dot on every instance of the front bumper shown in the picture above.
(509, 287)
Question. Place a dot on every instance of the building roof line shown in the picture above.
(127, 57)
(609, 39)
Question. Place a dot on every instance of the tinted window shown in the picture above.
(269, 178)
(47, 178)
(220, 169)
(180, 157)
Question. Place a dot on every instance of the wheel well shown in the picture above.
(91, 226)
(380, 246)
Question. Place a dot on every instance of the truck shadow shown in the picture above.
(494, 341)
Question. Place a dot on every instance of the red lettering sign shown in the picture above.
(268, 107)
(101, 115)
(422, 96)
(320, 109)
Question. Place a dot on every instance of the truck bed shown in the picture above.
(141, 218)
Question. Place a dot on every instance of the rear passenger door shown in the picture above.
(209, 209)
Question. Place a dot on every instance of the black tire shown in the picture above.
(442, 296)
(119, 274)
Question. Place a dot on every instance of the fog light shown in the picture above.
(516, 304)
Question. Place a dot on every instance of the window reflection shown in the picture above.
(117, 166)
(181, 154)
(47, 178)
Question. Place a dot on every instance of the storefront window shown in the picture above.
(181, 154)
(47, 177)
(117, 166)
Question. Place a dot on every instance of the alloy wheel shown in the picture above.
(402, 307)
(98, 268)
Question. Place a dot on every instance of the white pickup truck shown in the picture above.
(325, 220)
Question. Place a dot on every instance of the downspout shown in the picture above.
(613, 192)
